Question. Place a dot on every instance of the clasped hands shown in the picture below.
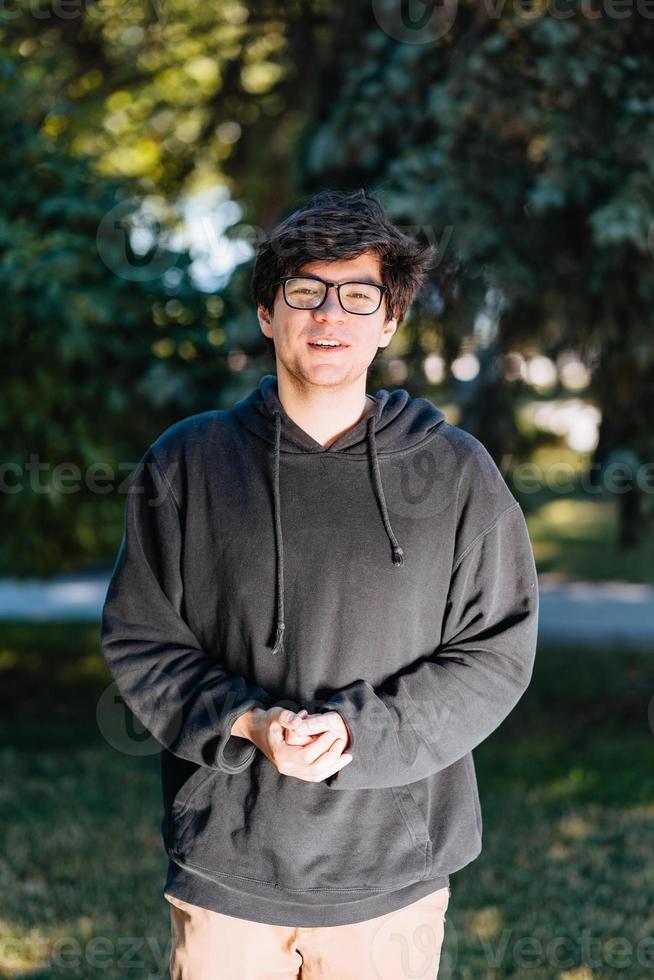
(309, 747)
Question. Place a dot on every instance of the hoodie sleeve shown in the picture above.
(181, 696)
(433, 712)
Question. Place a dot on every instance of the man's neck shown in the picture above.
(324, 413)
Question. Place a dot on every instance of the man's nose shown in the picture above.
(331, 306)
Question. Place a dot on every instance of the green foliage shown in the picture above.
(529, 137)
(177, 96)
(101, 361)
(104, 105)
(519, 140)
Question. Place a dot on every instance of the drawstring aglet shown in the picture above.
(398, 555)
(279, 643)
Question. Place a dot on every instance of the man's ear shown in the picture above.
(265, 321)
(387, 333)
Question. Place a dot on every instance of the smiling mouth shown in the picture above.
(327, 347)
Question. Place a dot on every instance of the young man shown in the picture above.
(323, 601)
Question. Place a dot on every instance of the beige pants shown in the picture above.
(397, 946)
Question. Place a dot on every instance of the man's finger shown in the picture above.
(313, 724)
(294, 738)
(320, 745)
(287, 718)
(276, 736)
(332, 760)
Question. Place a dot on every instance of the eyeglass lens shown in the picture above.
(356, 297)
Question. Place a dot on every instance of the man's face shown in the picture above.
(361, 334)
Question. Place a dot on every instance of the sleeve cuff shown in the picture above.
(235, 754)
(337, 706)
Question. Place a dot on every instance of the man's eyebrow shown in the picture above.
(367, 279)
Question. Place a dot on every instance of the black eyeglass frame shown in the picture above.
(337, 286)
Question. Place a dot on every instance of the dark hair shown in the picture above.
(335, 225)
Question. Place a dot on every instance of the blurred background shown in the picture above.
(147, 146)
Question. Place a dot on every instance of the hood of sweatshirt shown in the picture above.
(392, 422)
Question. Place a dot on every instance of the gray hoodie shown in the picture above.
(389, 577)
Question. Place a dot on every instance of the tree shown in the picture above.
(528, 136)
(104, 351)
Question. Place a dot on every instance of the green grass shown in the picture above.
(567, 791)
(575, 533)
(577, 539)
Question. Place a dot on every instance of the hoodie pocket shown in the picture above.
(415, 820)
(274, 830)
(184, 795)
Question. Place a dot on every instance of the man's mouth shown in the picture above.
(327, 345)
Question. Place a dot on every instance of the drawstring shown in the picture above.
(279, 546)
(398, 553)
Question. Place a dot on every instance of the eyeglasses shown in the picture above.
(310, 292)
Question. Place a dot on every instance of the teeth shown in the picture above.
(326, 343)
